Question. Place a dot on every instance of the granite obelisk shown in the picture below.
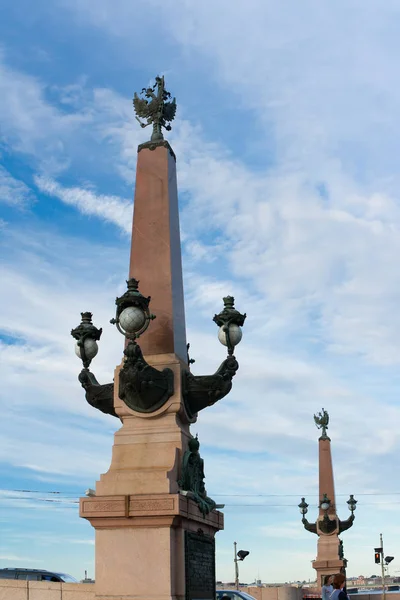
(328, 527)
(153, 519)
(156, 248)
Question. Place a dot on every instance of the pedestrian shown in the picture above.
(338, 583)
(327, 588)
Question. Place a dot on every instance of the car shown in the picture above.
(233, 595)
(35, 575)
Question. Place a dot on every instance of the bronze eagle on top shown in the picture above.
(156, 107)
(322, 421)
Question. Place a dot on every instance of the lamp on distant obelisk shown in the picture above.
(330, 557)
(154, 521)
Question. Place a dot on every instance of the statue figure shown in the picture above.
(192, 478)
(322, 420)
(155, 108)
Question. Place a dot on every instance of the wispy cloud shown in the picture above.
(12, 191)
(14, 558)
(110, 208)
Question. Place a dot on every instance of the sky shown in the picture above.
(287, 139)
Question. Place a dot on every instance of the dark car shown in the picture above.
(35, 575)
(233, 595)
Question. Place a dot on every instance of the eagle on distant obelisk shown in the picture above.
(322, 420)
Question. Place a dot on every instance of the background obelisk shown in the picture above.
(328, 527)
(327, 561)
(149, 519)
(326, 480)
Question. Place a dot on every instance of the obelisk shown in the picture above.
(156, 249)
(327, 561)
(328, 527)
(326, 480)
(149, 528)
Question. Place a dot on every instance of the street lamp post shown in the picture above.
(383, 570)
(236, 565)
(241, 555)
(384, 560)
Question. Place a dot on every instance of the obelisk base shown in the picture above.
(143, 545)
(327, 561)
(150, 537)
(148, 448)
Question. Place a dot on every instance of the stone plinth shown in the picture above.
(139, 515)
(147, 450)
(156, 250)
(140, 543)
(327, 561)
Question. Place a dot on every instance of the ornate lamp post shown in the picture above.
(142, 387)
(325, 504)
(230, 322)
(303, 506)
(352, 503)
(132, 316)
(326, 524)
(86, 335)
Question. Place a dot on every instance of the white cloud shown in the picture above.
(110, 208)
(13, 191)
(30, 124)
(13, 557)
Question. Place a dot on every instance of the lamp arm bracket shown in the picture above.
(312, 527)
(200, 391)
(99, 396)
(343, 525)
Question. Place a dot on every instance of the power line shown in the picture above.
(38, 492)
(61, 500)
(76, 494)
(298, 495)
(66, 501)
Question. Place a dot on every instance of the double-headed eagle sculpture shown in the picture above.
(156, 108)
(322, 421)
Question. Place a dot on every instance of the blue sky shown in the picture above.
(287, 142)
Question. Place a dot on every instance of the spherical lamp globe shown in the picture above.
(132, 319)
(235, 334)
(91, 349)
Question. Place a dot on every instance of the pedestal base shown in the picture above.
(140, 545)
(152, 542)
(327, 561)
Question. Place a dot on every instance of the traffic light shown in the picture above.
(378, 552)
(242, 554)
(388, 559)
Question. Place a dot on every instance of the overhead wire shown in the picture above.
(76, 493)
(74, 499)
